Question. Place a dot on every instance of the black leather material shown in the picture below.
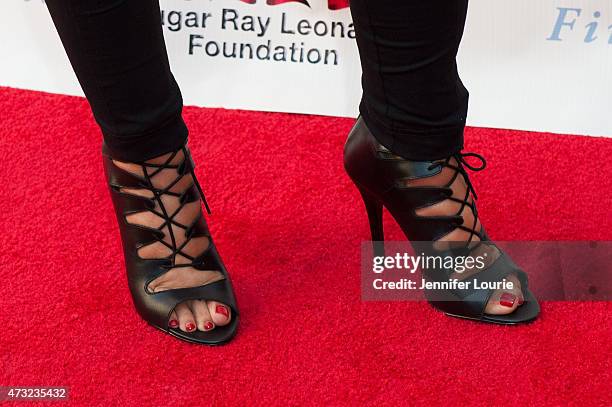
(380, 176)
(370, 170)
(471, 302)
(155, 308)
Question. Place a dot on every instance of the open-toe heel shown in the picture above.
(408, 189)
(136, 193)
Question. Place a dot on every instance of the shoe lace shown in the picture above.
(149, 171)
(460, 168)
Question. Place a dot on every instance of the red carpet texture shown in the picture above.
(289, 224)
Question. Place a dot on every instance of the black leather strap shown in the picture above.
(156, 307)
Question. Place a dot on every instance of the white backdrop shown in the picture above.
(542, 65)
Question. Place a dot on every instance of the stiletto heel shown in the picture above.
(374, 208)
(410, 190)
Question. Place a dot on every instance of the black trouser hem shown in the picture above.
(167, 138)
(417, 144)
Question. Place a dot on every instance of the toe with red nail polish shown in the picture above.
(222, 310)
(507, 300)
(190, 326)
(208, 326)
(173, 323)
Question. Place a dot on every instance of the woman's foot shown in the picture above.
(434, 201)
(461, 203)
(177, 279)
(191, 314)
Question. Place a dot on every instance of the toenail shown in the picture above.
(507, 300)
(173, 323)
(190, 326)
(222, 310)
(208, 326)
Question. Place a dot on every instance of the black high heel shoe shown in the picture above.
(133, 194)
(385, 179)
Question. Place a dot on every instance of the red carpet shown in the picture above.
(289, 225)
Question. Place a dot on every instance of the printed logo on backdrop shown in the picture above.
(579, 24)
(270, 31)
(332, 4)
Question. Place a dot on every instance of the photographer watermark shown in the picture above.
(573, 271)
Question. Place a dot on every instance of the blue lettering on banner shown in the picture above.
(570, 22)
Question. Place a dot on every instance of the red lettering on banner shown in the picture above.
(337, 4)
(331, 4)
(275, 2)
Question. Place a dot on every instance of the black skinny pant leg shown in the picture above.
(117, 51)
(413, 100)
